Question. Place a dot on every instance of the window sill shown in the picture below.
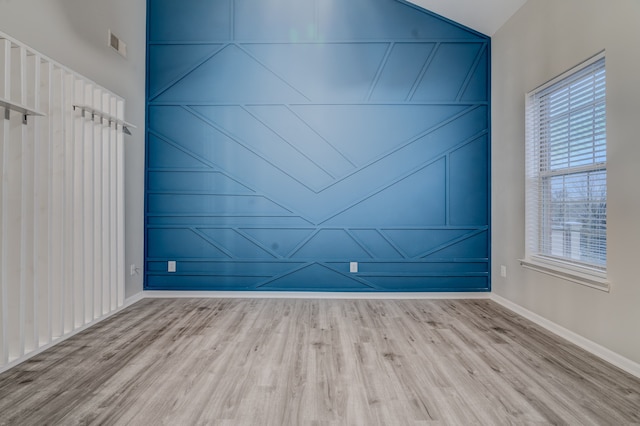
(590, 278)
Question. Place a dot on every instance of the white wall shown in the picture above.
(74, 33)
(542, 40)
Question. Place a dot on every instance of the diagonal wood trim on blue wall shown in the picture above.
(288, 138)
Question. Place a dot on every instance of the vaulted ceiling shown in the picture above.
(485, 16)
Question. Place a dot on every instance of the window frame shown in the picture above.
(589, 274)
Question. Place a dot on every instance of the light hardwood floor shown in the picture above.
(317, 362)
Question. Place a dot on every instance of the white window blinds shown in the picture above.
(566, 168)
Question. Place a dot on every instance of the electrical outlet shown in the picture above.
(503, 271)
(353, 267)
(171, 266)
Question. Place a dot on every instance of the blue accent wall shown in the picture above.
(287, 138)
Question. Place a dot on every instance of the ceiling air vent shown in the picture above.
(119, 45)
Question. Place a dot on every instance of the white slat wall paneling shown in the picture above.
(57, 205)
(119, 229)
(50, 186)
(113, 204)
(97, 211)
(27, 266)
(70, 228)
(42, 195)
(89, 218)
(106, 250)
(33, 99)
(108, 273)
(78, 208)
(13, 212)
(61, 201)
(5, 83)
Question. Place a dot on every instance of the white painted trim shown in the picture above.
(310, 295)
(584, 276)
(128, 302)
(600, 351)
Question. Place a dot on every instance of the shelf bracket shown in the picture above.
(12, 106)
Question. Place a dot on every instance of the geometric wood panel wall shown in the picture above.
(288, 138)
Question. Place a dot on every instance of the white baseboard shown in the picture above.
(310, 295)
(128, 302)
(600, 351)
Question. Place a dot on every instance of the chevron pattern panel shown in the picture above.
(288, 138)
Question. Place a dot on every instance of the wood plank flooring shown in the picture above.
(317, 362)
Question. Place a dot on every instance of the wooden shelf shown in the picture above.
(103, 116)
(12, 106)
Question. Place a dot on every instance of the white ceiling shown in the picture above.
(485, 16)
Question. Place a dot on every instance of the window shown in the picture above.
(567, 173)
